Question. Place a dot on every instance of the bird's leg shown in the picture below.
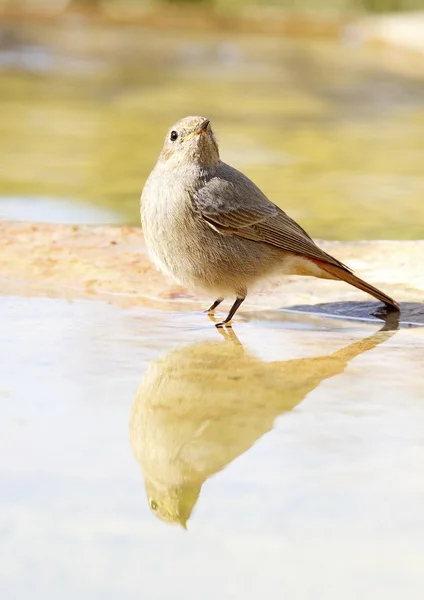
(214, 305)
(232, 312)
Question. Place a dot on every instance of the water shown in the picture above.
(327, 130)
(53, 210)
(293, 453)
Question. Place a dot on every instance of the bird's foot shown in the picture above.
(226, 324)
(212, 307)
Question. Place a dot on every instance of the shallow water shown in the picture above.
(53, 210)
(327, 131)
(294, 455)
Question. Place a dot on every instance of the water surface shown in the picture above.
(329, 133)
(293, 454)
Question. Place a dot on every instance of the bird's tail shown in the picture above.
(345, 275)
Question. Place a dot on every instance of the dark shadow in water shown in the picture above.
(201, 406)
(411, 313)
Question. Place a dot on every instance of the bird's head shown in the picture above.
(191, 141)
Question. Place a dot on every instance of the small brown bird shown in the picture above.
(211, 228)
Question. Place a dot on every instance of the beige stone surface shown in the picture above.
(112, 263)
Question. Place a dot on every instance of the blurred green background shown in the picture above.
(368, 5)
(324, 124)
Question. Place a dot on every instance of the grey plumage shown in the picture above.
(211, 228)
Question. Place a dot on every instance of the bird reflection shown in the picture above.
(201, 406)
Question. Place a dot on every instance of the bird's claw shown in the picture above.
(223, 324)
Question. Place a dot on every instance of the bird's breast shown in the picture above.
(174, 235)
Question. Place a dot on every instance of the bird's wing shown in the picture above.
(232, 204)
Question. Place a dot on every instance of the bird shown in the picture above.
(193, 415)
(210, 228)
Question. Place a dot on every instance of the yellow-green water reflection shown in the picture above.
(201, 406)
(335, 140)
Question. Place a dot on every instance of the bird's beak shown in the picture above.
(202, 128)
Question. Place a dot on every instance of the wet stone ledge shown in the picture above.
(112, 263)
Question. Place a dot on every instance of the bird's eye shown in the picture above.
(173, 136)
(153, 505)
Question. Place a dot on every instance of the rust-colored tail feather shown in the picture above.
(349, 277)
